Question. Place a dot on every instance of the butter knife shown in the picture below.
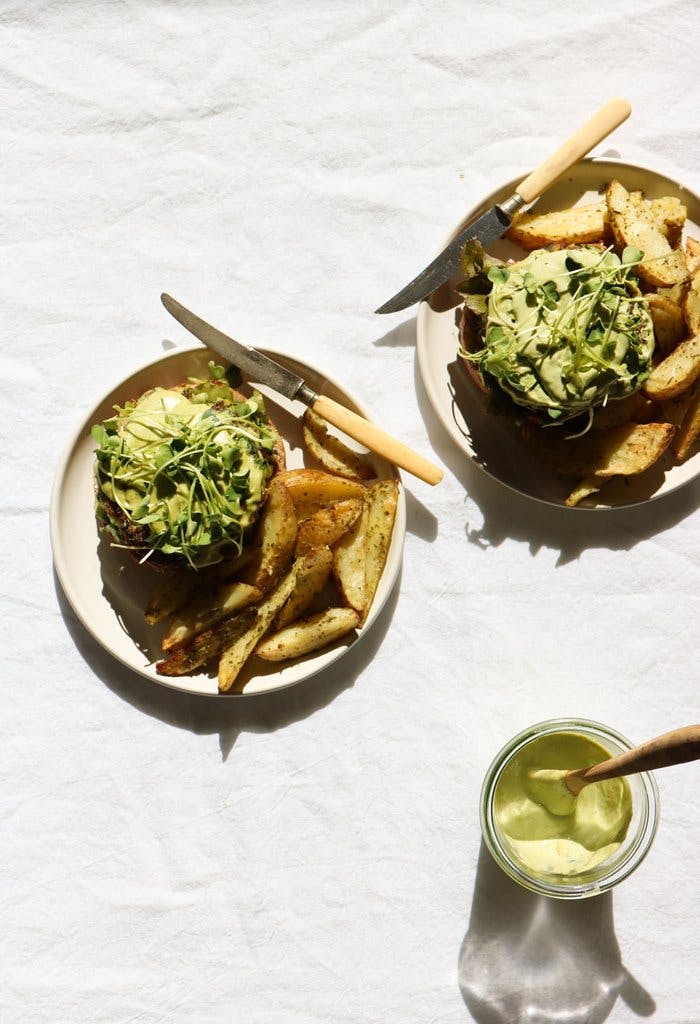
(261, 369)
(497, 220)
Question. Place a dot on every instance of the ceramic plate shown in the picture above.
(492, 442)
(109, 592)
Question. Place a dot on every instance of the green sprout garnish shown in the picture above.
(563, 330)
(188, 482)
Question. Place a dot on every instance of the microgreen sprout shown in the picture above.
(563, 330)
(187, 481)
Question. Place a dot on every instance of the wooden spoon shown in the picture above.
(675, 747)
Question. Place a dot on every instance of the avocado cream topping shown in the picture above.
(183, 471)
(563, 330)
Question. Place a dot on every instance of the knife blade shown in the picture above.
(495, 222)
(260, 369)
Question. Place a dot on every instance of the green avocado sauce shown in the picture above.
(547, 829)
(564, 330)
(186, 469)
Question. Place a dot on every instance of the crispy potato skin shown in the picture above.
(639, 222)
(578, 225)
(308, 635)
(619, 451)
(333, 454)
(676, 373)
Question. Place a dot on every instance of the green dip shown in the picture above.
(565, 330)
(547, 829)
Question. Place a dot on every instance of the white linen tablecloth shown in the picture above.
(315, 855)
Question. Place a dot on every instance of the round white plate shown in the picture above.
(109, 592)
(492, 442)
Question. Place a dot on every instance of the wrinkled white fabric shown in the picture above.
(315, 856)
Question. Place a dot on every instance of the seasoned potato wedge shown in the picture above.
(327, 526)
(170, 594)
(307, 635)
(175, 591)
(313, 573)
(349, 563)
(383, 498)
(206, 609)
(634, 408)
(691, 303)
(236, 652)
(689, 429)
(582, 490)
(207, 645)
(313, 488)
(673, 410)
(574, 226)
(677, 372)
(619, 451)
(669, 322)
(692, 254)
(275, 536)
(640, 224)
(333, 454)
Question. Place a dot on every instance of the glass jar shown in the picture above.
(603, 876)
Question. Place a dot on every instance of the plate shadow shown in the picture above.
(229, 716)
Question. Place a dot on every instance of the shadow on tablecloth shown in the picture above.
(261, 713)
(530, 958)
(505, 513)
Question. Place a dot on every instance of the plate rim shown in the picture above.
(422, 346)
(61, 560)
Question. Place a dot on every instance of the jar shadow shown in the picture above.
(530, 958)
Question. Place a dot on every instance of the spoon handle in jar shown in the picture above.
(675, 747)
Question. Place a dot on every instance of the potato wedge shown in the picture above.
(175, 591)
(634, 408)
(170, 594)
(673, 410)
(691, 303)
(620, 451)
(275, 538)
(313, 573)
(349, 563)
(692, 254)
(582, 490)
(236, 652)
(383, 499)
(575, 226)
(669, 322)
(307, 635)
(333, 454)
(206, 609)
(206, 646)
(676, 373)
(313, 488)
(641, 225)
(689, 429)
(327, 526)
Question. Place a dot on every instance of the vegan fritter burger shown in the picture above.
(180, 474)
(560, 332)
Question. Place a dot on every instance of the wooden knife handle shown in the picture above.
(612, 114)
(377, 440)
